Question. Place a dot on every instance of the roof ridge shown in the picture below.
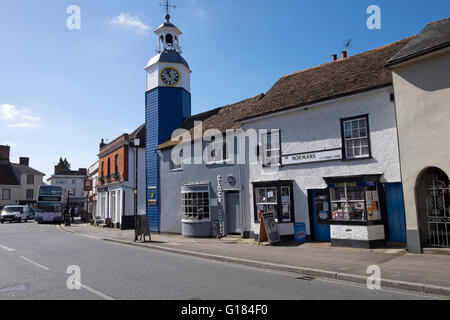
(225, 106)
(348, 58)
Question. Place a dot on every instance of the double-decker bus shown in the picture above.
(49, 204)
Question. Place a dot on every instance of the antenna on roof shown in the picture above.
(348, 44)
(167, 6)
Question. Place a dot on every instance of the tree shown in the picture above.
(64, 163)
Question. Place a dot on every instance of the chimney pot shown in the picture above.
(344, 55)
(24, 161)
(334, 57)
(4, 153)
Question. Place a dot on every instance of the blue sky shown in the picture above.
(62, 90)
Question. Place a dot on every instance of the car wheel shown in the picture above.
(2, 222)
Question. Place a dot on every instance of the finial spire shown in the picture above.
(167, 6)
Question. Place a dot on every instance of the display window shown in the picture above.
(355, 201)
(275, 198)
(195, 206)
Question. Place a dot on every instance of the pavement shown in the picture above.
(426, 273)
(43, 261)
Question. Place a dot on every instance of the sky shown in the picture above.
(62, 90)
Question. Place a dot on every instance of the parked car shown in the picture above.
(14, 213)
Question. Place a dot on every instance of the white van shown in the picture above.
(15, 213)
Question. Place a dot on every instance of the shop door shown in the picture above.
(233, 212)
(319, 203)
(395, 212)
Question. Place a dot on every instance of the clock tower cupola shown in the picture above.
(167, 105)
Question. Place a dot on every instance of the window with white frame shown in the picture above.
(176, 167)
(266, 202)
(271, 153)
(356, 137)
(195, 206)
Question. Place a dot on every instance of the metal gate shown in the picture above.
(438, 214)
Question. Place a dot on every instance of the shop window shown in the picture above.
(274, 197)
(6, 194)
(356, 137)
(195, 206)
(266, 202)
(355, 201)
(271, 153)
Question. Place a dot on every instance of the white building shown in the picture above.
(72, 183)
(91, 196)
(328, 160)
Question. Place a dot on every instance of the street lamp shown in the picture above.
(137, 143)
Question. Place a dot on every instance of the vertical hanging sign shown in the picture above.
(220, 233)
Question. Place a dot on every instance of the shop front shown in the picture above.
(275, 197)
(357, 216)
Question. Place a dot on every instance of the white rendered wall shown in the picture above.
(319, 128)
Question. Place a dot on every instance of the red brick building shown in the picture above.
(117, 179)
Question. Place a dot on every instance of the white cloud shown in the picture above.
(131, 23)
(197, 10)
(28, 125)
(10, 113)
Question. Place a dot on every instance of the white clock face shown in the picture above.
(170, 76)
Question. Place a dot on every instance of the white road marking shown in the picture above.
(102, 295)
(35, 263)
(7, 249)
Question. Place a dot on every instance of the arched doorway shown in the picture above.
(433, 203)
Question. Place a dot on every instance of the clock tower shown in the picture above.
(167, 105)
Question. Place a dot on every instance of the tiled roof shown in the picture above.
(332, 80)
(434, 36)
(221, 118)
(26, 169)
(355, 74)
(113, 145)
(7, 175)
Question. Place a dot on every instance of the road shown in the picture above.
(34, 260)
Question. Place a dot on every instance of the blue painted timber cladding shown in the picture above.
(395, 212)
(165, 110)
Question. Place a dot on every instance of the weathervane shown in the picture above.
(167, 6)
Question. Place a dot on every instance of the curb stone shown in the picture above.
(386, 283)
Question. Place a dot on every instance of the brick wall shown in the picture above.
(122, 154)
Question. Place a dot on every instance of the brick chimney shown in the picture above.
(24, 161)
(344, 55)
(59, 169)
(334, 57)
(4, 154)
(102, 144)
